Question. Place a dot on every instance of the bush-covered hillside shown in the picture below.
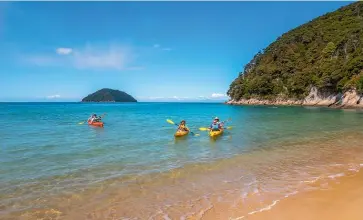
(326, 52)
(109, 95)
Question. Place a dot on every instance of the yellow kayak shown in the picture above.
(215, 133)
(181, 133)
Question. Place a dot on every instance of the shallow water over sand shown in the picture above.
(67, 171)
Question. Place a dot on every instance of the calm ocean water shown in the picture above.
(45, 153)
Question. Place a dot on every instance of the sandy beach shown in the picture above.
(320, 179)
(342, 200)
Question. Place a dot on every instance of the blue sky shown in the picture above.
(155, 51)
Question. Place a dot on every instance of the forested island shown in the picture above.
(317, 63)
(109, 95)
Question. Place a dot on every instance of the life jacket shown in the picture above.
(215, 126)
(183, 127)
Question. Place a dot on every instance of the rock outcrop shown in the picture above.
(109, 95)
(348, 99)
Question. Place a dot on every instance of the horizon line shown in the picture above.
(2, 102)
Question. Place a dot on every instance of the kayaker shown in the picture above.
(94, 118)
(91, 118)
(182, 126)
(216, 125)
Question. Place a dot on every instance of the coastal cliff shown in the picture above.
(319, 63)
(348, 99)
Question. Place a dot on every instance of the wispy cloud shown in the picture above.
(111, 57)
(212, 97)
(158, 46)
(102, 58)
(202, 97)
(53, 97)
(64, 51)
(218, 95)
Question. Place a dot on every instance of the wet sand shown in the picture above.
(307, 179)
(343, 200)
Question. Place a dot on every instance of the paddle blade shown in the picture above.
(203, 129)
(170, 121)
(194, 134)
(81, 123)
(229, 128)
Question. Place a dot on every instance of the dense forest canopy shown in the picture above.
(326, 52)
(109, 95)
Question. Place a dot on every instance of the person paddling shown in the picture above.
(182, 126)
(216, 125)
(94, 118)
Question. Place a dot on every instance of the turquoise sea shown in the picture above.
(47, 158)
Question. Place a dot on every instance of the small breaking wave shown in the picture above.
(291, 194)
(265, 208)
(336, 175)
(314, 179)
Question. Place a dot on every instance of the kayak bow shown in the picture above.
(215, 133)
(181, 133)
(97, 124)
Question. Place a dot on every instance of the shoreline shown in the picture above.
(350, 99)
(266, 103)
(223, 189)
(340, 200)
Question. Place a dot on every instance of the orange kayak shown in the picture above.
(96, 123)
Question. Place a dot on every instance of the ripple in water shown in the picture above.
(77, 172)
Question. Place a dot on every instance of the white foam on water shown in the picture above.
(251, 183)
(159, 212)
(202, 212)
(238, 218)
(311, 181)
(291, 194)
(354, 169)
(337, 165)
(227, 181)
(235, 180)
(336, 175)
(265, 208)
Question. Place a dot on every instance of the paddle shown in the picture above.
(171, 122)
(207, 129)
(82, 122)
(228, 128)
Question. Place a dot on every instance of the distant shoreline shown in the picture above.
(79, 102)
(294, 105)
(350, 99)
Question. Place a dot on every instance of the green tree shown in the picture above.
(326, 52)
(329, 49)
